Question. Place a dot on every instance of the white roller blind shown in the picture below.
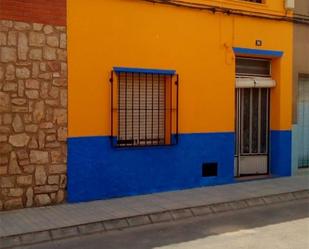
(255, 82)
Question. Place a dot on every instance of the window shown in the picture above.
(144, 109)
(252, 66)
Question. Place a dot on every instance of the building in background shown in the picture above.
(167, 95)
(33, 103)
(301, 91)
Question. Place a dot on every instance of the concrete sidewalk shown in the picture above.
(34, 225)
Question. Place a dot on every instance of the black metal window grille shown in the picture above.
(144, 109)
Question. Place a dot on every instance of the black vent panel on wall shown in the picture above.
(209, 169)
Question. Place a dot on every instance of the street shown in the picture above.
(280, 226)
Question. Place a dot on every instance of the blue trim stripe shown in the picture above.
(143, 70)
(258, 52)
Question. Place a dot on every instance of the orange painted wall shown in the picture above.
(197, 44)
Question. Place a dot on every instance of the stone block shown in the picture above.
(9, 242)
(238, 205)
(271, 199)
(36, 39)
(22, 73)
(35, 54)
(10, 72)
(19, 140)
(3, 39)
(38, 112)
(12, 38)
(65, 232)
(203, 210)
(36, 237)
(3, 138)
(15, 192)
(53, 179)
(31, 128)
(54, 92)
(37, 26)
(22, 48)
(60, 116)
(17, 124)
(40, 175)
(20, 109)
(7, 118)
(10, 87)
(13, 204)
(38, 157)
(62, 54)
(7, 181)
(115, 224)
(63, 40)
(3, 169)
(91, 228)
(22, 154)
(161, 217)
(63, 181)
(8, 54)
(33, 144)
(21, 88)
(64, 97)
(32, 84)
(44, 90)
(221, 207)
(22, 26)
(301, 194)
(49, 53)
(28, 169)
(56, 156)
(255, 202)
(60, 196)
(138, 220)
(59, 82)
(24, 180)
(52, 41)
(19, 101)
(35, 69)
(13, 166)
(42, 200)
(5, 129)
(1, 73)
(5, 148)
(62, 133)
(57, 169)
(48, 29)
(32, 94)
(29, 197)
(4, 102)
(287, 197)
(44, 189)
(181, 214)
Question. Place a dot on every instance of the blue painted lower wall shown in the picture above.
(281, 153)
(96, 170)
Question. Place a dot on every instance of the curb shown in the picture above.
(146, 219)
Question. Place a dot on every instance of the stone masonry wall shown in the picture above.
(33, 114)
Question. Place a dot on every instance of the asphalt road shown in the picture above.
(280, 226)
